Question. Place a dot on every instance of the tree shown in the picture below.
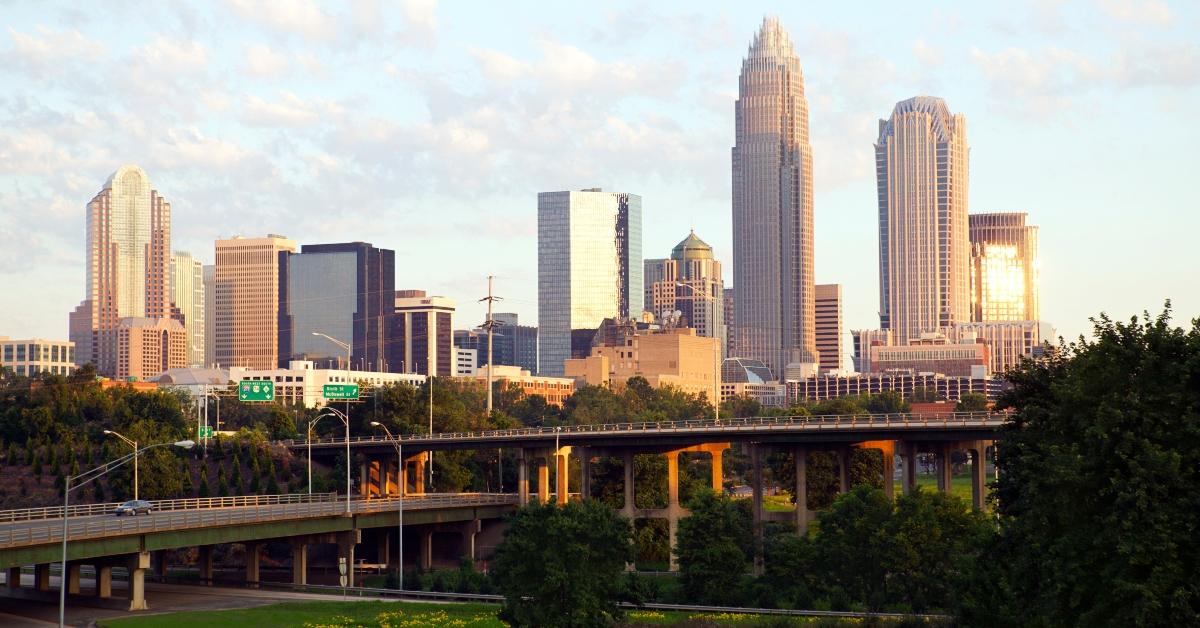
(714, 545)
(561, 566)
(922, 394)
(740, 406)
(851, 540)
(971, 402)
(204, 491)
(1100, 481)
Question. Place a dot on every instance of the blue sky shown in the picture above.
(430, 127)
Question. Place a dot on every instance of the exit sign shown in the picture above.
(341, 391)
(252, 390)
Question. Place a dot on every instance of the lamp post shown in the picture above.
(403, 477)
(716, 358)
(308, 437)
(345, 420)
(83, 479)
(132, 443)
(346, 346)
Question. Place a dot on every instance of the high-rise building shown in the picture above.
(773, 209)
(187, 293)
(589, 267)
(689, 282)
(346, 291)
(924, 248)
(210, 306)
(829, 326)
(246, 286)
(148, 347)
(863, 340)
(1004, 268)
(1008, 342)
(730, 324)
(423, 334)
(128, 259)
(513, 344)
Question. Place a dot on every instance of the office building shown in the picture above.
(950, 388)
(346, 291)
(933, 353)
(148, 347)
(924, 245)
(589, 268)
(1004, 268)
(864, 339)
(300, 382)
(513, 344)
(668, 357)
(31, 356)
(829, 327)
(730, 325)
(187, 293)
(1007, 342)
(464, 362)
(555, 390)
(690, 283)
(423, 334)
(128, 259)
(246, 288)
(210, 305)
(773, 209)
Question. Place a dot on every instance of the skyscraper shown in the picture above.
(773, 209)
(924, 250)
(187, 293)
(1004, 268)
(423, 334)
(210, 308)
(246, 290)
(829, 326)
(344, 290)
(589, 267)
(128, 275)
(689, 282)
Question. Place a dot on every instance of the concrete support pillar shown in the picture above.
(41, 577)
(253, 563)
(383, 545)
(469, 530)
(104, 581)
(944, 472)
(756, 485)
(978, 474)
(159, 563)
(843, 458)
(673, 509)
(889, 470)
(389, 479)
(522, 477)
(585, 473)
(364, 480)
(561, 485)
(419, 476)
(543, 479)
(138, 564)
(299, 562)
(72, 578)
(426, 549)
(346, 542)
(800, 453)
(630, 504)
(908, 466)
(14, 577)
(204, 564)
(718, 472)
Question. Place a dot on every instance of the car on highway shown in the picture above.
(133, 508)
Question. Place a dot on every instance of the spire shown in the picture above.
(771, 40)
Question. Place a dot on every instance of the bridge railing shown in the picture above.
(86, 510)
(41, 532)
(814, 422)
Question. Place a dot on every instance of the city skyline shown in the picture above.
(216, 166)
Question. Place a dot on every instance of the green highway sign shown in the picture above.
(341, 391)
(251, 390)
(206, 431)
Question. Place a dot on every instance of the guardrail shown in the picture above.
(37, 533)
(800, 422)
(194, 503)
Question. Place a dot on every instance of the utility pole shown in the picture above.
(490, 326)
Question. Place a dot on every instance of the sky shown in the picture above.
(429, 128)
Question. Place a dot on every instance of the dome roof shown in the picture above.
(691, 248)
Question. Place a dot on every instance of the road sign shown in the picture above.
(252, 390)
(341, 391)
(206, 431)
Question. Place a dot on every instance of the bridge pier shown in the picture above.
(543, 478)
(630, 504)
(346, 542)
(41, 577)
(978, 473)
(14, 577)
(522, 477)
(204, 564)
(585, 473)
(71, 580)
(425, 555)
(944, 472)
(253, 563)
(419, 475)
(561, 475)
(673, 509)
(159, 563)
(800, 453)
(843, 462)
(300, 562)
(137, 565)
(103, 581)
(757, 504)
(469, 529)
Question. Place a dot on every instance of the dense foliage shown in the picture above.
(714, 545)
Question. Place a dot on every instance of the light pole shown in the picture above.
(308, 437)
(716, 400)
(345, 420)
(346, 346)
(83, 479)
(403, 477)
(132, 443)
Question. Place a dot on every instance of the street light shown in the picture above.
(716, 358)
(132, 443)
(84, 479)
(308, 438)
(403, 477)
(345, 420)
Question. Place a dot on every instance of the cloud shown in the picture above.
(46, 49)
(262, 61)
(289, 111)
(498, 67)
(1138, 11)
(301, 18)
(166, 57)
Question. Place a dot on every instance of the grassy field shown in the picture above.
(960, 486)
(416, 615)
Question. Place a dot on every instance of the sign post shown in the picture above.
(341, 392)
(254, 390)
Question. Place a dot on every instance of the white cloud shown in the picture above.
(499, 67)
(49, 49)
(289, 111)
(262, 61)
(1144, 11)
(927, 53)
(165, 57)
(302, 18)
(421, 17)
(189, 148)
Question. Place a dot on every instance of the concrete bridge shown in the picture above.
(33, 537)
(903, 435)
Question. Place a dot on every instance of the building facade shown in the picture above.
(346, 291)
(423, 334)
(128, 264)
(947, 387)
(148, 347)
(669, 357)
(29, 357)
(589, 266)
(555, 390)
(924, 246)
(513, 344)
(465, 361)
(301, 382)
(1007, 342)
(688, 282)
(933, 354)
(1004, 268)
(829, 330)
(246, 288)
(863, 340)
(210, 307)
(773, 208)
(188, 293)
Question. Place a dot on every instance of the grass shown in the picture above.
(417, 615)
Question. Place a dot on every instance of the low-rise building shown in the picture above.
(933, 353)
(31, 356)
(948, 387)
(674, 357)
(554, 389)
(301, 383)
